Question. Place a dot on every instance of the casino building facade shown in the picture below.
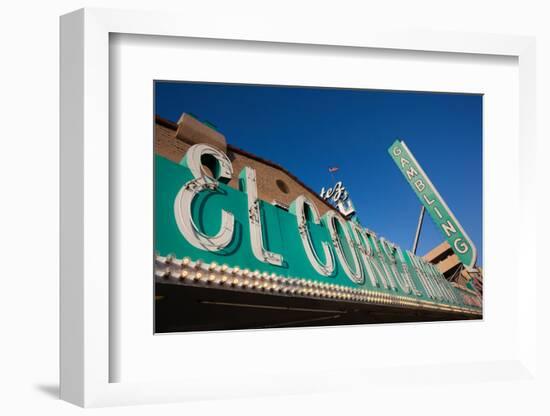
(454, 271)
(243, 243)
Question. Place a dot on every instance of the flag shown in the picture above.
(333, 169)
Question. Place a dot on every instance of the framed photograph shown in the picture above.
(242, 242)
(242, 214)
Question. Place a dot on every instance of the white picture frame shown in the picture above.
(86, 355)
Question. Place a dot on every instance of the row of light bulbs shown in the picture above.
(197, 272)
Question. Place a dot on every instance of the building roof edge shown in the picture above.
(173, 126)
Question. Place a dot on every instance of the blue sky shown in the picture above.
(307, 130)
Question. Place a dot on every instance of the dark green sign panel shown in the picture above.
(434, 203)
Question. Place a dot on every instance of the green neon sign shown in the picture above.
(200, 218)
(442, 216)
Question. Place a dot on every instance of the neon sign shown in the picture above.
(339, 196)
(221, 234)
(440, 213)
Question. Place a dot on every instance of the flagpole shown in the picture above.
(331, 171)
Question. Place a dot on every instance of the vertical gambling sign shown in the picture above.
(443, 217)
